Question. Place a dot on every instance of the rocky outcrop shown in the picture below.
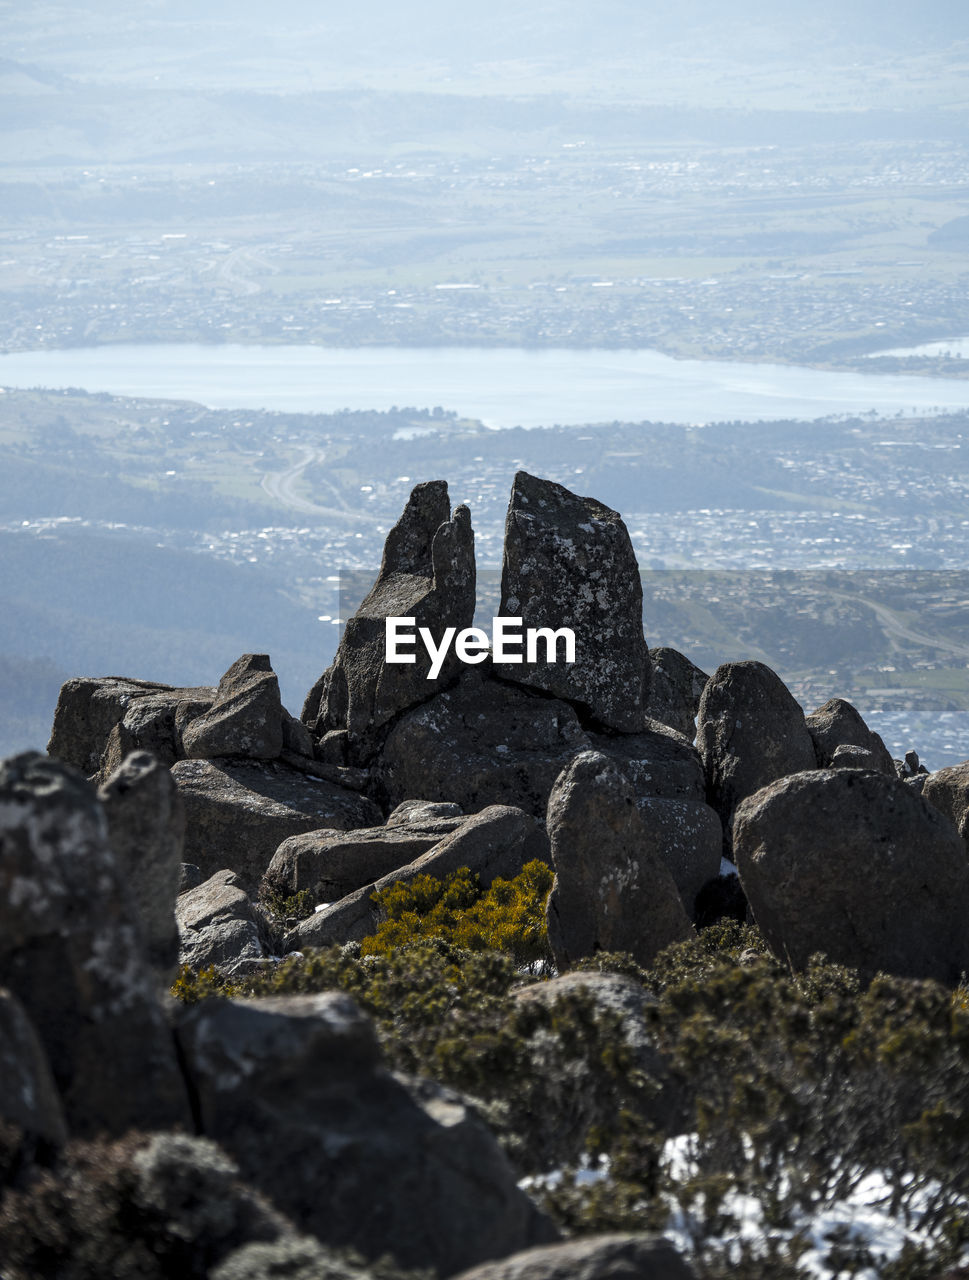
(245, 718)
(497, 842)
(675, 690)
(612, 1257)
(611, 891)
(837, 725)
(750, 731)
(948, 791)
(71, 950)
(294, 1090)
(146, 828)
(427, 574)
(218, 925)
(238, 812)
(853, 864)
(568, 562)
(658, 761)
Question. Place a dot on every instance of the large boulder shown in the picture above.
(609, 1257)
(293, 1088)
(238, 812)
(72, 951)
(28, 1094)
(750, 731)
(853, 864)
(838, 725)
(948, 791)
(218, 925)
(657, 760)
(245, 718)
(497, 842)
(568, 562)
(676, 687)
(146, 828)
(427, 574)
(687, 836)
(612, 892)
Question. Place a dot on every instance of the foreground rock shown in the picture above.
(72, 951)
(238, 812)
(855, 865)
(675, 690)
(294, 1091)
(218, 925)
(613, 1257)
(28, 1095)
(146, 827)
(837, 725)
(568, 562)
(750, 731)
(611, 891)
(497, 842)
(427, 574)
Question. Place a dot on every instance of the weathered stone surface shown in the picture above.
(750, 732)
(611, 1257)
(948, 791)
(838, 724)
(421, 812)
(848, 756)
(238, 812)
(687, 836)
(289, 1258)
(611, 891)
(89, 708)
(427, 574)
(293, 1089)
(498, 841)
(658, 761)
(854, 864)
(568, 562)
(483, 742)
(675, 690)
(217, 924)
(28, 1095)
(146, 828)
(245, 718)
(331, 864)
(71, 950)
(151, 723)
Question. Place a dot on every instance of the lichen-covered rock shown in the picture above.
(676, 687)
(238, 812)
(854, 864)
(245, 718)
(72, 951)
(750, 731)
(611, 891)
(687, 836)
(610, 1257)
(568, 562)
(28, 1095)
(293, 1088)
(498, 841)
(153, 723)
(838, 724)
(657, 760)
(146, 827)
(218, 925)
(427, 574)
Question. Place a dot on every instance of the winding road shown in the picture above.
(281, 485)
(895, 627)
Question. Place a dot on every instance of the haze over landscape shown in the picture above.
(759, 184)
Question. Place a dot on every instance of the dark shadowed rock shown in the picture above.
(146, 827)
(427, 574)
(750, 732)
(498, 841)
(687, 836)
(948, 791)
(483, 742)
(218, 925)
(838, 724)
(238, 812)
(71, 950)
(854, 864)
(611, 891)
(675, 690)
(611, 1257)
(568, 562)
(331, 864)
(245, 718)
(658, 761)
(294, 1090)
(28, 1095)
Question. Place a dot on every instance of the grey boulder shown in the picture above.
(675, 690)
(948, 791)
(609, 1257)
(245, 718)
(837, 724)
(218, 925)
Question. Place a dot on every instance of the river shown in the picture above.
(501, 386)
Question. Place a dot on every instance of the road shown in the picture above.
(281, 485)
(895, 627)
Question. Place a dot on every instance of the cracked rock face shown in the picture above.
(568, 562)
(427, 574)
